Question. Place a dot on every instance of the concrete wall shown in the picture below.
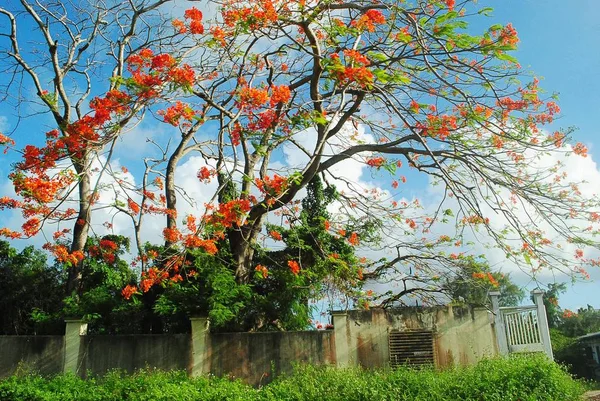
(360, 338)
(461, 335)
(464, 336)
(43, 354)
(100, 354)
(258, 357)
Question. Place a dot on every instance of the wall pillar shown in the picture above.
(74, 329)
(538, 299)
(340, 331)
(499, 324)
(200, 333)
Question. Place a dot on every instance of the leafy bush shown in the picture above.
(532, 378)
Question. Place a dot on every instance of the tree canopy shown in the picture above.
(402, 87)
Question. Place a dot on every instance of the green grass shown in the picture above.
(532, 378)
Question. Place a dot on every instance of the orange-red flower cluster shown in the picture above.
(280, 94)
(108, 245)
(508, 36)
(193, 241)
(175, 113)
(129, 291)
(353, 240)
(438, 126)
(151, 277)
(254, 14)
(230, 213)
(369, 20)
(4, 140)
(133, 206)
(252, 98)
(150, 71)
(195, 17)
(171, 234)
(262, 270)
(474, 219)
(272, 186)
(62, 254)
(204, 174)
(580, 149)
(376, 162)
(294, 266)
(354, 71)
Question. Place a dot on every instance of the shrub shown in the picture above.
(524, 378)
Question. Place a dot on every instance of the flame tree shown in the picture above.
(395, 85)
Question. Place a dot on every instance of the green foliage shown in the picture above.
(567, 328)
(584, 321)
(553, 311)
(462, 287)
(104, 274)
(573, 354)
(30, 292)
(518, 378)
(280, 300)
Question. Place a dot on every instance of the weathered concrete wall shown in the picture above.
(461, 335)
(464, 336)
(100, 354)
(360, 338)
(43, 354)
(258, 357)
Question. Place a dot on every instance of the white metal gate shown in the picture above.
(522, 328)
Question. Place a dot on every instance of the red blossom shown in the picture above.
(193, 14)
(252, 97)
(175, 113)
(204, 174)
(179, 26)
(133, 206)
(196, 27)
(280, 94)
(580, 149)
(262, 270)
(275, 235)
(294, 266)
(376, 162)
(108, 245)
(171, 234)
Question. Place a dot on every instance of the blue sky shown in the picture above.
(560, 43)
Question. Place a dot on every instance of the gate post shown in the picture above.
(499, 324)
(74, 329)
(200, 333)
(340, 332)
(538, 299)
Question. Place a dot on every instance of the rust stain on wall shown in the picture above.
(444, 358)
(367, 350)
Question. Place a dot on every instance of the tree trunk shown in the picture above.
(170, 193)
(82, 224)
(241, 243)
(170, 187)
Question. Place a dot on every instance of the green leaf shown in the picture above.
(446, 17)
(487, 11)
(506, 57)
